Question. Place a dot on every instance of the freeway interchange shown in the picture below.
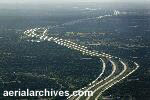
(120, 67)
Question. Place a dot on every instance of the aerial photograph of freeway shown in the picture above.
(74, 50)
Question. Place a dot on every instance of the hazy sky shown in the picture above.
(61, 1)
